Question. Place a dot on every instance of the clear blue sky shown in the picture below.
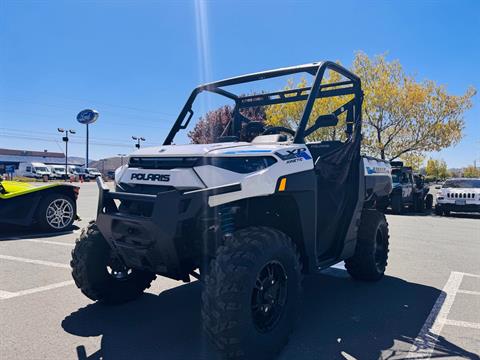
(136, 61)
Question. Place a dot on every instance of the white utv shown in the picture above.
(248, 215)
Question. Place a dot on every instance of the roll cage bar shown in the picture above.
(352, 86)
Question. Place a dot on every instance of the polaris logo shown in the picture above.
(150, 177)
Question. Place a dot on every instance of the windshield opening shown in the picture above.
(293, 111)
(396, 175)
(462, 183)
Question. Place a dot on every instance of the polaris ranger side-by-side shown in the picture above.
(248, 214)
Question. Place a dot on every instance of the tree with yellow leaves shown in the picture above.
(401, 116)
(471, 172)
(436, 169)
(289, 114)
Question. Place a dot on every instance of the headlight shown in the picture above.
(243, 165)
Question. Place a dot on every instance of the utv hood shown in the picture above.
(230, 148)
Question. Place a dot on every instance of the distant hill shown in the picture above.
(76, 160)
(108, 164)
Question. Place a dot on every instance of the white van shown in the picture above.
(92, 173)
(57, 171)
(35, 170)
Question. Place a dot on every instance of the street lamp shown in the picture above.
(121, 157)
(65, 138)
(138, 139)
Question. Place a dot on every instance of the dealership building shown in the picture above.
(15, 157)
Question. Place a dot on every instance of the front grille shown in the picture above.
(143, 189)
(162, 163)
(461, 195)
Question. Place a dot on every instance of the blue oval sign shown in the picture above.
(87, 116)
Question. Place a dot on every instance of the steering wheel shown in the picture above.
(278, 129)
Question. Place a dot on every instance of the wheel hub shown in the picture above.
(269, 296)
(59, 213)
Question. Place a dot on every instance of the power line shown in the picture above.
(37, 138)
(22, 131)
(69, 107)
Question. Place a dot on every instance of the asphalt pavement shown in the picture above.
(427, 305)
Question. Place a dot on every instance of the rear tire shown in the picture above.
(371, 254)
(100, 276)
(251, 294)
(397, 204)
(56, 212)
(420, 204)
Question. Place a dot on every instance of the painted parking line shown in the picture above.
(8, 295)
(464, 324)
(468, 292)
(424, 344)
(49, 242)
(32, 261)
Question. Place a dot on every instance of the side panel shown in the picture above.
(378, 177)
(19, 210)
(302, 187)
(351, 237)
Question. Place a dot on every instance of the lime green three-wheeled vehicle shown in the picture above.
(51, 207)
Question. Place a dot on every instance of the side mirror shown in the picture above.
(326, 120)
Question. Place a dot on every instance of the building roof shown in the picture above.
(32, 153)
(46, 157)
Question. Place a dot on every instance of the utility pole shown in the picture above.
(65, 138)
(121, 158)
(138, 139)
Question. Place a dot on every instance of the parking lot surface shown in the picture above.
(427, 306)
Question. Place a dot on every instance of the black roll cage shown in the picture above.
(352, 86)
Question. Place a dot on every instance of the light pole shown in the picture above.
(121, 158)
(138, 139)
(65, 138)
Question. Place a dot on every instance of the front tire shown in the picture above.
(371, 254)
(397, 204)
(100, 276)
(251, 294)
(429, 202)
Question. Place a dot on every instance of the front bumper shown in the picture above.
(458, 208)
(152, 242)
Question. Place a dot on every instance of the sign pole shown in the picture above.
(86, 159)
(86, 117)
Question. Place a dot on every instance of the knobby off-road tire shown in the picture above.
(99, 276)
(251, 294)
(56, 212)
(429, 202)
(420, 204)
(397, 204)
(371, 254)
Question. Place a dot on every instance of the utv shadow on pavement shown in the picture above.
(14, 232)
(340, 318)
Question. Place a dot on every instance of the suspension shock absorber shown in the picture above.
(226, 214)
